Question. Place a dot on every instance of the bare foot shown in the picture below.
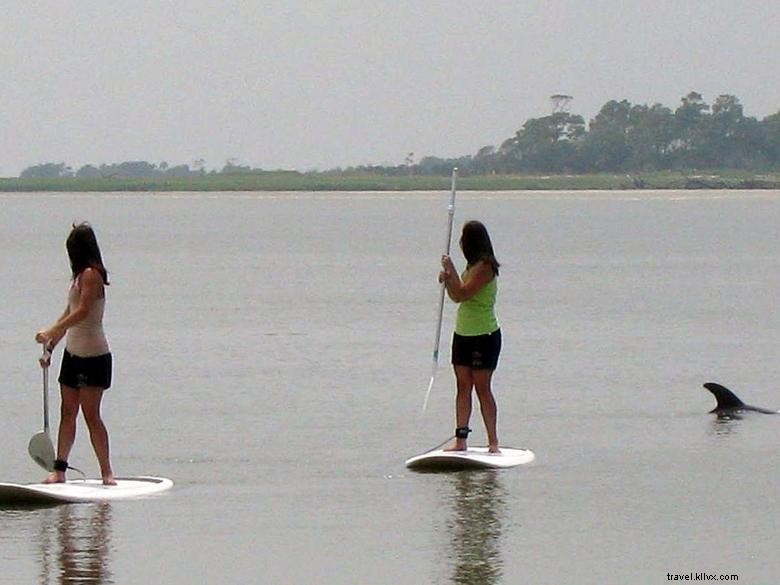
(460, 445)
(493, 449)
(55, 477)
(109, 480)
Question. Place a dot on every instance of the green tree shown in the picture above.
(89, 172)
(47, 171)
(547, 144)
(690, 130)
(606, 146)
(650, 137)
(179, 171)
(770, 143)
(485, 161)
(733, 140)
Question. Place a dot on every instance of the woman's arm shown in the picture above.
(91, 289)
(458, 290)
(43, 336)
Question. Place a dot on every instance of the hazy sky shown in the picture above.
(321, 84)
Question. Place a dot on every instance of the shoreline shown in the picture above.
(287, 181)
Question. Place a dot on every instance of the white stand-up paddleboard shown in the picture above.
(472, 458)
(80, 490)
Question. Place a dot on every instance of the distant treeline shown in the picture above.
(626, 138)
(622, 138)
(128, 170)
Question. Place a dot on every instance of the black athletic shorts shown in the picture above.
(78, 372)
(476, 351)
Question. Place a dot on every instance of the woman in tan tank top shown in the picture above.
(85, 373)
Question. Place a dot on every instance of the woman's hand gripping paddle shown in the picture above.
(437, 339)
(40, 447)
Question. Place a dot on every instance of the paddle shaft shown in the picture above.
(47, 358)
(447, 248)
(40, 446)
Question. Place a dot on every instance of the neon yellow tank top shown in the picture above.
(477, 316)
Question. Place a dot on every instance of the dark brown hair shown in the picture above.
(476, 245)
(84, 252)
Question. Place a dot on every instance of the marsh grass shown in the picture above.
(348, 181)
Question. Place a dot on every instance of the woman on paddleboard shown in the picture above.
(476, 342)
(85, 372)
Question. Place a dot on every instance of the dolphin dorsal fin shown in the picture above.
(725, 397)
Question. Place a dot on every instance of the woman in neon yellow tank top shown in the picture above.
(476, 343)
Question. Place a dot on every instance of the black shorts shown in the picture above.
(78, 372)
(479, 352)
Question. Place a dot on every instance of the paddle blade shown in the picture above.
(41, 450)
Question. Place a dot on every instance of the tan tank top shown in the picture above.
(86, 338)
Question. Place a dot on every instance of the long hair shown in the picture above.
(476, 245)
(84, 252)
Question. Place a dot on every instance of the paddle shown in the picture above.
(40, 446)
(437, 339)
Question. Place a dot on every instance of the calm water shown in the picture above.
(272, 354)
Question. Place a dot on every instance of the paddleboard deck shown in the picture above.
(79, 490)
(472, 458)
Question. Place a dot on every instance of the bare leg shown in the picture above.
(487, 405)
(98, 434)
(69, 411)
(465, 382)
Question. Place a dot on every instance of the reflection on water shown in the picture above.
(478, 501)
(75, 545)
(726, 424)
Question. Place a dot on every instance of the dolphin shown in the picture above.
(729, 403)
